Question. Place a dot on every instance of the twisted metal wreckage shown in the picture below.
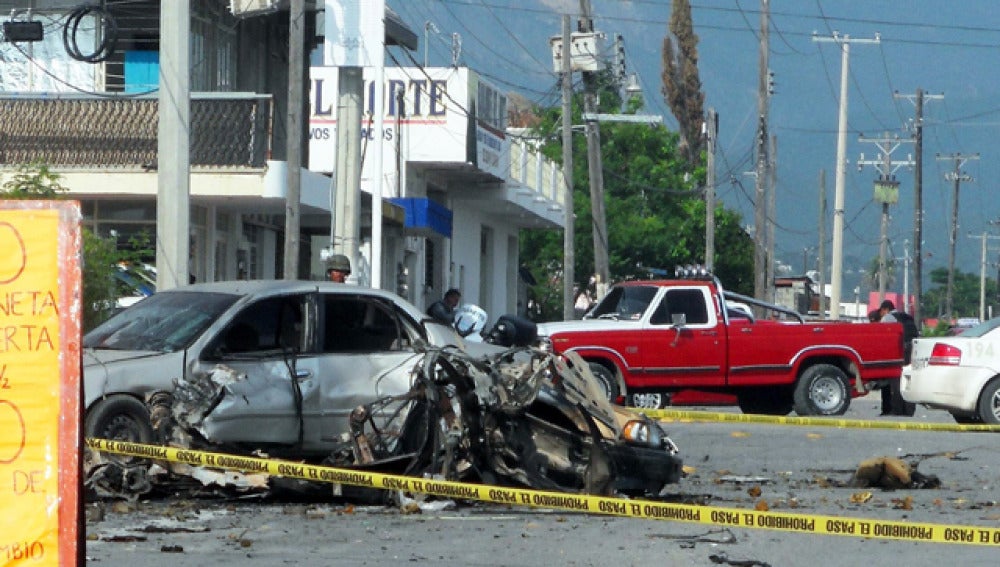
(523, 416)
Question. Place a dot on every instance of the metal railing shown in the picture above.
(227, 130)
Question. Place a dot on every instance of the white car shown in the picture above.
(960, 374)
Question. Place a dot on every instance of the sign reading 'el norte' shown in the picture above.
(39, 382)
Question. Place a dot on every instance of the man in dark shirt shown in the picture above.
(892, 401)
(443, 310)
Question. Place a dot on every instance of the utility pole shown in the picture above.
(906, 276)
(918, 183)
(836, 276)
(772, 186)
(173, 193)
(595, 168)
(567, 154)
(711, 132)
(822, 244)
(761, 176)
(982, 274)
(293, 141)
(886, 193)
(958, 177)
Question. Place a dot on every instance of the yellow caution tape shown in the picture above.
(707, 416)
(631, 508)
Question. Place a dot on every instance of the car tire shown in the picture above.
(606, 379)
(989, 403)
(119, 417)
(765, 402)
(649, 400)
(822, 389)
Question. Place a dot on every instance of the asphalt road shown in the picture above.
(800, 469)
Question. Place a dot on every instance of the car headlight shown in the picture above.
(642, 432)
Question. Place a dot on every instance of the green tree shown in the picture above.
(654, 206)
(965, 295)
(681, 81)
(38, 181)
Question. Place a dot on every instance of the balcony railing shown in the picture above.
(532, 169)
(227, 130)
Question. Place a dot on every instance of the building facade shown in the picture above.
(456, 188)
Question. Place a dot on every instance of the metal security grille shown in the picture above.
(230, 130)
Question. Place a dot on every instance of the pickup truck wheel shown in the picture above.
(648, 400)
(989, 403)
(764, 403)
(606, 379)
(822, 389)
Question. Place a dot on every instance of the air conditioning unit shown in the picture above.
(248, 8)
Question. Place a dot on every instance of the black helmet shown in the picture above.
(340, 263)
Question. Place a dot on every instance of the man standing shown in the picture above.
(892, 401)
(340, 268)
(443, 310)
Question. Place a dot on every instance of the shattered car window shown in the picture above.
(271, 324)
(163, 322)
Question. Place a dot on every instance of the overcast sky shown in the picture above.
(940, 46)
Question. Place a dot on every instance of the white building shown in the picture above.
(457, 188)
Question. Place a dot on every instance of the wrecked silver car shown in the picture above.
(357, 377)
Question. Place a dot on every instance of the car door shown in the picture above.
(690, 355)
(270, 396)
(364, 352)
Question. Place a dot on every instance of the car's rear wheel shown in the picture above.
(989, 403)
(765, 402)
(822, 389)
(119, 417)
(606, 379)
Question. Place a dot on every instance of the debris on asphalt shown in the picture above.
(891, 473)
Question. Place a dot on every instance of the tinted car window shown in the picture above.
(355, 324)
(690, 302)
(162, 322)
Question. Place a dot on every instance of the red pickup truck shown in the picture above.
(649, 340)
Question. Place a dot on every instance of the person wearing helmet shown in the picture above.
(340, 268)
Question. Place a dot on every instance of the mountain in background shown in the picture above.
(943, 48)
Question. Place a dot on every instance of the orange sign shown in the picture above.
(39, 382)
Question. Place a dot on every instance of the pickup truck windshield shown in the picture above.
(164, 322)
(624, 302)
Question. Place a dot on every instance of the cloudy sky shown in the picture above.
(942, 47)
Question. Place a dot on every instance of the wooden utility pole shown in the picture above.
(567, 154)
(957, 177)
(595, 167)
(711, 131)
(760, 175)
(918, 184)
